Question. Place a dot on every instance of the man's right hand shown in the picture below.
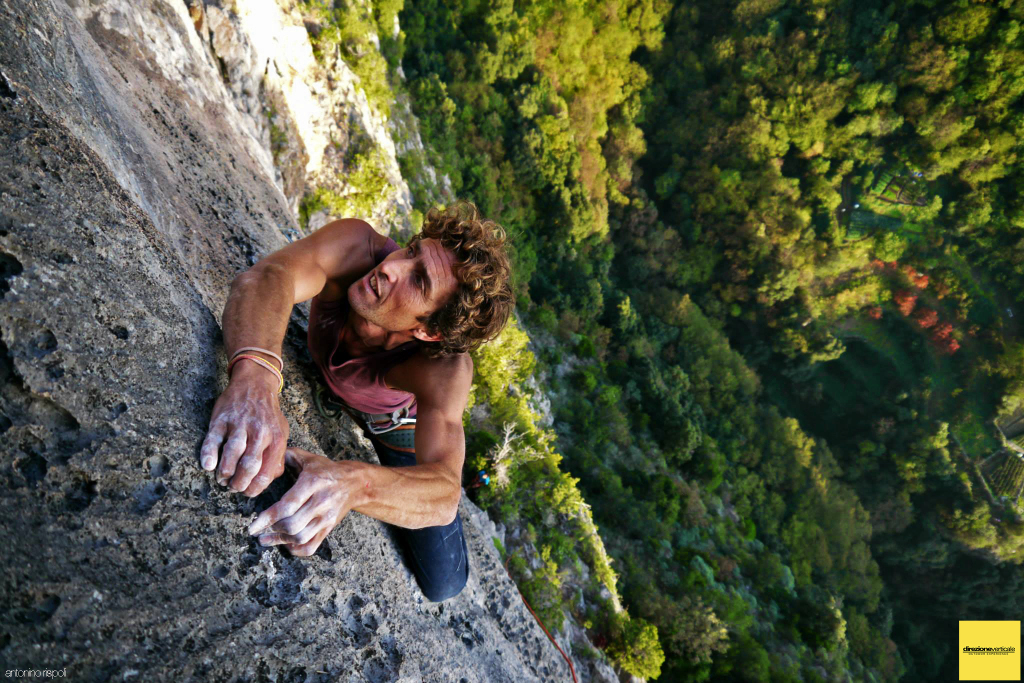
(248, 423)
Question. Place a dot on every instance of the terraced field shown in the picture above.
(1005, 474)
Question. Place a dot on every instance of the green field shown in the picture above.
(869, 219)
(875, 335)
(873, 366)
(976, 436)
(855, 377)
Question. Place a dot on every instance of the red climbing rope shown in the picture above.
(568, 661)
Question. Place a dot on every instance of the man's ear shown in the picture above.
(422, 334)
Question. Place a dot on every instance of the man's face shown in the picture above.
(409, 284)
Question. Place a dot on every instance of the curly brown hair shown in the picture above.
(483, 299)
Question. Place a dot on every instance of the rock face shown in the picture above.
(131, 192)
(264, 53)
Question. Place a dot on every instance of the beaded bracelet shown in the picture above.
(262, 362)
(256, 348)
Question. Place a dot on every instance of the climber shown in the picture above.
(389, 330)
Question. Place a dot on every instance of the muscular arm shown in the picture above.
(261, 298)
(426, 494)
(430, 490)
(248, 433)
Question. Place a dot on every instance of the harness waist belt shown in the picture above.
(384, 422)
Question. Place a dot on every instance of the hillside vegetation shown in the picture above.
(769, 255)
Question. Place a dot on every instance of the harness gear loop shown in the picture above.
(328, 408)
(377, 425)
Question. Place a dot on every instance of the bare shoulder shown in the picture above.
(347, 248)
(444, 369)
(349, 236)
(455, 362)
(443, 379)
(328, 260)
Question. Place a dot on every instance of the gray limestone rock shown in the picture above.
(127, 204)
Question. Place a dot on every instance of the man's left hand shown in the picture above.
(313, 506)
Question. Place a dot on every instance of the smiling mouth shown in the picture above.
(373, 284)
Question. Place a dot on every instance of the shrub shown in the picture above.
(889, 246)
(544, 591)
(635, 647)
(365, 181)
(345, 29)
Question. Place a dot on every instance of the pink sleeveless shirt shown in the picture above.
(358, 382)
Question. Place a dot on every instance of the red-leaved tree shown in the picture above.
(905, 301)
(942, 332)
(926, 317)
(942, 337)
(950, 347)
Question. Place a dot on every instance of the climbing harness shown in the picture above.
(395, 430)
(401, 438)
(382, 423)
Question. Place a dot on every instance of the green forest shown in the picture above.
(770, 274)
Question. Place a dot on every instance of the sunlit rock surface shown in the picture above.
(132, 190)
(266, 59)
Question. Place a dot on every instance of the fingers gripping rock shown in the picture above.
(211, 445)
(249, 416)
(233, 450)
